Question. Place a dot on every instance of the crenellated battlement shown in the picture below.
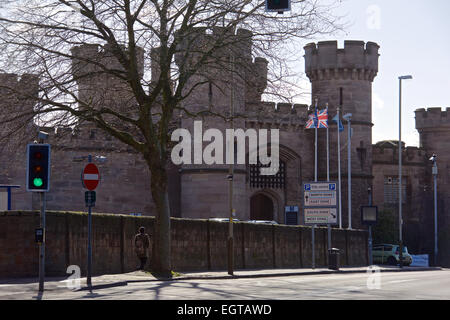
(273, 115)
(224, 44)
(386, 152)
(223, 41)
(356, 61)
(28, 83)
(432, 118)
(83, 138)
(18, 96)
(90, 59)
(101, 78)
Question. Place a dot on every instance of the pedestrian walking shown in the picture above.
(141, 245)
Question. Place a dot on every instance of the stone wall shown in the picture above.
(196, 244)
(416, 225)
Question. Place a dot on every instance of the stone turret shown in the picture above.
(432, 119)
(95, 69)
(433, 125)
(353, 69)
(89, 59)
(249, 77)
(12, 88)
(18, 98)
(224, 74)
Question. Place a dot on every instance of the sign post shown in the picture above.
(90, 179)
(369, 217)
(320, 207)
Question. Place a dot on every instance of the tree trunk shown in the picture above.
(161, 255)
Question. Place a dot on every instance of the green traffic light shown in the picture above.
(37, 182)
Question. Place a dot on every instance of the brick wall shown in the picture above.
(196, 244)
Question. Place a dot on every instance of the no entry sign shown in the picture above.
(90, 176)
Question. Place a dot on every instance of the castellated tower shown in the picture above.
(227, 80)
(353, 69)
(433, 125)
(18, 97)
(93, 68)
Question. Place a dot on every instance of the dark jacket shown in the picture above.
(141, 244)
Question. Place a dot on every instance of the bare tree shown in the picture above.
(57, 40)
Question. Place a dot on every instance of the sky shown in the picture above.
(414, 39)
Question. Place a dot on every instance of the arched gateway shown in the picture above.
(261, 207)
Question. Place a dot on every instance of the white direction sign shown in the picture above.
(320, 198)
(319, 194)
(320, 202)
(320, 215)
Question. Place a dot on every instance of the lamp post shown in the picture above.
(435, 172)
(348, 117)
(369, 191)
(339, 168)
(230, 243)
(400, 220)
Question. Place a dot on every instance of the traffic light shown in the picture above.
(278, 5)
(38, 167)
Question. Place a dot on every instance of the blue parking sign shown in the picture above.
(332, 186)
(307, 187)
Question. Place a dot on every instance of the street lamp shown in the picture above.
(435, 172)
(400, 220)
(369, 191)
(348, 118)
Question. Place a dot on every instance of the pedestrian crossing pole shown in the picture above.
(42, 245)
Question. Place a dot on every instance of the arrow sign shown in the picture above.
(90, 177)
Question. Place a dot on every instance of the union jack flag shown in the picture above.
(318, 120)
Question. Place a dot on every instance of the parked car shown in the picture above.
(262, 221)
(390, 254)
(223, 219)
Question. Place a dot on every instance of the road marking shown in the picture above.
(400, 281)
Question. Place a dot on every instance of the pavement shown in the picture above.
(116, 280)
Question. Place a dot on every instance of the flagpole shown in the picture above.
(328, 150)
(349, 172)
(328, 175)
(339, 154)
(315, 180)
(315, 143)
(339, 166)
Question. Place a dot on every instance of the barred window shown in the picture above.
(391, 189)
(277, 181)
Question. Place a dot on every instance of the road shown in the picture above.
(422, 285)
